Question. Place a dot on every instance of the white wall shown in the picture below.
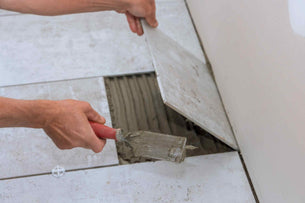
(259, 65)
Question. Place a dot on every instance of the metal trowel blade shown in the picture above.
(156, 145)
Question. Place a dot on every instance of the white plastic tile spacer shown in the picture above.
(58, 171)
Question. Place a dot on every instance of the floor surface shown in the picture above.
(65, 57)
(211, 178)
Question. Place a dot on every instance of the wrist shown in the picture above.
(42, 112)
(35, 113)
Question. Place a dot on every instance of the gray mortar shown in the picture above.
(135, 104)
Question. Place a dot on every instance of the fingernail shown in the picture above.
(156, 24)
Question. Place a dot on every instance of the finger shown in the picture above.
(93, 142)
(92, 115)
(139, 27)
(151, 20)
(131, 22)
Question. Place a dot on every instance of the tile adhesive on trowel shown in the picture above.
(146, 144)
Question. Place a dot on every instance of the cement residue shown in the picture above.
(135, 104)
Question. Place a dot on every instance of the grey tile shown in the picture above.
(25, 151)
(211, 178)
(175, 21)
(39, 48)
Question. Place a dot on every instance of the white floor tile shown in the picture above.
(25, 151)
(39, 48)
(211, 178)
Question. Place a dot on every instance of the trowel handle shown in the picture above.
(103, 131)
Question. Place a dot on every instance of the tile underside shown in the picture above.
(175, 21)
(211, 178)
(25, 151)
(135, 104)
(187, 86)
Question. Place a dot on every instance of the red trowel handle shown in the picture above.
(103, 131)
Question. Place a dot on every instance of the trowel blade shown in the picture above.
(156, 145)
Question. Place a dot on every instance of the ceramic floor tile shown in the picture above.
(25, 151)
(175, 21)
(40, 48)
(211, 178)
(187, 86)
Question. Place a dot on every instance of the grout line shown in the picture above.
(49, 173)
(80, 78)
(24, 176)
(248, 177)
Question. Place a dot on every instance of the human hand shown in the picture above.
(137, 9)
(67, 124)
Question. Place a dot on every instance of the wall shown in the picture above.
(259, 65)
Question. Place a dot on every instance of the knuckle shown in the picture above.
(97, 149)
(60, 147)
(87, 105)
(77, 144)
(63, 146)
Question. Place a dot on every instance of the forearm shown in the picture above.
(59, 7)
(23, 113)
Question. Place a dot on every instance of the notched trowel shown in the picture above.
(146, 144)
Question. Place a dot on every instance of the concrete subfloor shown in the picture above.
(76, 50)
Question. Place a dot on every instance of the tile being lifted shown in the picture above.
(175, 21)
(39, 48)
(25, 151)
(210, 178)
(187, 86)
